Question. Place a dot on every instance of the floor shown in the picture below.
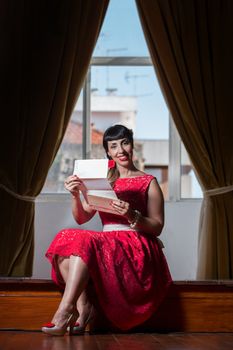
(19, 340)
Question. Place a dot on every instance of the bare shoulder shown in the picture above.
(154, 188)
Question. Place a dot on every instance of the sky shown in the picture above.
(122, 35)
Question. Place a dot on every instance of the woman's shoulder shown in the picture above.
(138, 176)
(145, 176)
(147, 179)
(140, 180)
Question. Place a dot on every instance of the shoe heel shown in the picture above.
(88, 325)
(72, 324)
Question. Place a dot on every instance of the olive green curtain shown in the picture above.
(45, 50)
(191, 45)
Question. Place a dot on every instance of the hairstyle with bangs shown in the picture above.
(116, 132)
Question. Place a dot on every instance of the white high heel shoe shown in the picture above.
(52, 329)
(78, 329)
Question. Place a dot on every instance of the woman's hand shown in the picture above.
(74, 184)
(80, 208)
(123, 208)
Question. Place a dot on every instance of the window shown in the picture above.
(70, 149)
(129, 94)
(121, 87)
(190, 188)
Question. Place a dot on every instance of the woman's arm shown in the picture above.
(154, 222)
(80, 209)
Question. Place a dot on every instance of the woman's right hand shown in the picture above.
(74, 184)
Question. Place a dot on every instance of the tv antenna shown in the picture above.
(134, 77)
(107, 70)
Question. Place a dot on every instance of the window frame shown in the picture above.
(174, 166)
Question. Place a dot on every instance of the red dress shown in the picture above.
(127, 267)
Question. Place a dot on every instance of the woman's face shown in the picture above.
(121, 151)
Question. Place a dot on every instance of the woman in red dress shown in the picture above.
(124, 263)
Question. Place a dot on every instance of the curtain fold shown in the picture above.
(46, 47)
(191, 46)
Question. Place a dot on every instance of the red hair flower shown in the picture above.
(111, 164)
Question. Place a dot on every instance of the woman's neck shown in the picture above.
(127, 172)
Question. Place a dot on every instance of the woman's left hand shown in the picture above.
(123, 208)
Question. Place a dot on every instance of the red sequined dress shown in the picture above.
(127, 267)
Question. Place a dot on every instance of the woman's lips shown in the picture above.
(123, 158)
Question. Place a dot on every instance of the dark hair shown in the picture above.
(117, 132)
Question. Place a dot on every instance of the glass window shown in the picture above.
(70, 149)
(190, 187)
(121, 33)
(131, 96)
(125, 92)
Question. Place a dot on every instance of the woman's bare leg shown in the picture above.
(77, 279)
(84, 306)
(63, 266)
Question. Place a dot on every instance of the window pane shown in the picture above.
(70, 149)
(121, 33)
(131, 96)
(190, 187)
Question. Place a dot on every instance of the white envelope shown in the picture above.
(93, 173)
(91, 168)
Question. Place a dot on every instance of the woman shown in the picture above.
(124, 263)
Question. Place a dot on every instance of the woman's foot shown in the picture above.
(86, 317)
(62, 319)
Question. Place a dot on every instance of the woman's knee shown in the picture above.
(63, 262)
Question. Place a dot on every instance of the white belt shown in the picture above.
(117, 227)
